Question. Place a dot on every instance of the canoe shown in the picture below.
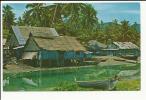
(99, 84)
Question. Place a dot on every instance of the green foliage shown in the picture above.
(128, 85)
(118, 31)
(5, 33)
(66, 86)
(73, 19)
(8, 17)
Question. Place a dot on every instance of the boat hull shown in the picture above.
(100, 84)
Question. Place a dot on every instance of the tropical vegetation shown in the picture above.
(74, 19)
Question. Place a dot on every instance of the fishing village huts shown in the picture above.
(43, 46)
(59, 51)
(20, 34)
(96, 47)
(122, 49)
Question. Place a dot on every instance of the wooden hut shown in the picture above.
(53, 50)
(5, 50)
(122, 49)
(96, 47)
(20, 34)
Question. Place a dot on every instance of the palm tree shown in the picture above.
(124, 30)
(70, 17)
(8, 17)
(73, 13)
(20, 21)
(55, 14)
(35, 13)
(89, 19)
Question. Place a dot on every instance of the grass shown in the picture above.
(128, 85)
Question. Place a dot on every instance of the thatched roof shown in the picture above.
(61, 43)
(96, 43)
(126, 45)
(22, 32)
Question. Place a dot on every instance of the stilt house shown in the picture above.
(55, 51)
(20, 34)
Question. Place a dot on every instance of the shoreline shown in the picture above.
(26, 70)
(109, 61)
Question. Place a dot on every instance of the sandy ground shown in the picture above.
(13, 68)
(103, 61)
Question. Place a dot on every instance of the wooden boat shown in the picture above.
(100, 84)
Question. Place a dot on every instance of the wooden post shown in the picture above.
(40, 63)
(63, 58)
(57, 58)
(40, 59)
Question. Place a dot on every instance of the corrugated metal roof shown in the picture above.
(20, 38)
(126, 45)
(38, 31)
(22, 32)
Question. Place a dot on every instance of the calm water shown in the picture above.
(53, 78)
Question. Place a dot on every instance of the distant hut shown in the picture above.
(5, 48)
(4, 42)
(122, 49)
(57, 51)
(20, 34)
(96, 47)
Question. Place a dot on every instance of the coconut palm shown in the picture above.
(124, 30)
(89, 19)
(20, 21)
(8, 17)
(35, 13)
(72, 13)
(55, 14)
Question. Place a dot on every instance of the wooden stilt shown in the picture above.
(40, 63)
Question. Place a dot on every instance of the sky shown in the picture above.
(105, 11)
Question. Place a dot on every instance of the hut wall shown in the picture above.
(73, 55)
(79, 55)
(31, 45)
(137, 52)
(89, 55)
(134, 52)
(18, 53)
(111, 52)
(13, 41)
(69, 55)
(112, 46)
(50, 55)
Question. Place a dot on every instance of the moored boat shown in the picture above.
(108, 84)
